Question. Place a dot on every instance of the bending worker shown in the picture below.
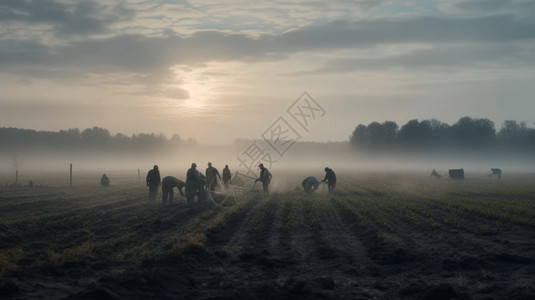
(310, 184)
(168, 183)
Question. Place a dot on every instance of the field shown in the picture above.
(381, 236)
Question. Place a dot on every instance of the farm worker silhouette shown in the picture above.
(435, 174)
(310, 184)
(265, 178)
(496, 171)
(330, 177)
(153, 182)
(168, 183)
(104, 180)
(211, 177)
(194, 184)
(226, 177)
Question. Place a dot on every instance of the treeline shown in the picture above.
(91, 139)
(467, 134)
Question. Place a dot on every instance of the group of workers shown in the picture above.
(198, 184)
(311, 183)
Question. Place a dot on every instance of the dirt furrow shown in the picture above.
(339, 238)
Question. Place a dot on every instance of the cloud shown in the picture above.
(77, 18)
(519, 8)
(443, 56)
(155, 55)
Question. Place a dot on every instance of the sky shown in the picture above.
(216, 71)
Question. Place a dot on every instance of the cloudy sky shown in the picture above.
(220, 70)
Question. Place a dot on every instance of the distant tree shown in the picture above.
(14, 140)
(375, 136)
(390, 130)
(96, 136)
(474, 132)
(413, 133)
(359, 138)
(514, 134)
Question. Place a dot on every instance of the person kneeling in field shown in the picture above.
(168, 183)
(310, 184)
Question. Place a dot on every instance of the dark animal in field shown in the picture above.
(456, 174)
(497, 172)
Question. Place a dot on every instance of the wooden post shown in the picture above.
(138, 175)
(17, 178)
(71, 175)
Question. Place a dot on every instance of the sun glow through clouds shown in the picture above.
(197, 95)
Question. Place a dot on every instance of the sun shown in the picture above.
(197, 94)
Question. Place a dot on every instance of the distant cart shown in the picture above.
(457, 174)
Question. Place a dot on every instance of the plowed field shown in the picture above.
(378, 237)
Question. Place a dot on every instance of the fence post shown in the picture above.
(138, 175)
(71, 175)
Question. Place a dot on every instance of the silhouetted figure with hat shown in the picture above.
(265, 178)
(153, 182)
(330, 177)
(226, 177)
(211, 177)
(104, 180)
(194, 184)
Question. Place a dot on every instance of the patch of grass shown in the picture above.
(187, 243)
(74, 254)
(116, 273)
(8, 260)
(288, 220)
(388, 238)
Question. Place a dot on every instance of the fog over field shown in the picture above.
(385, 93)
(301, 158)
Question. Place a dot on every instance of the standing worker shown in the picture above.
(168, 183)
(104, 180)
(153, 182)
(330, 177)
(211, 179)
(194, 184)
(226, 177)
(265, 178)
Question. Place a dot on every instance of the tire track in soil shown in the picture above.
(295, 243)
(223, 270)
(244, 255)
(246, 238)
(334, 234)
(225, 236)
(380, 251)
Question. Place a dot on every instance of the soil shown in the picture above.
(111, 243)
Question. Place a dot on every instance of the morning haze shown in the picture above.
(376, 149)
(216, 72)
